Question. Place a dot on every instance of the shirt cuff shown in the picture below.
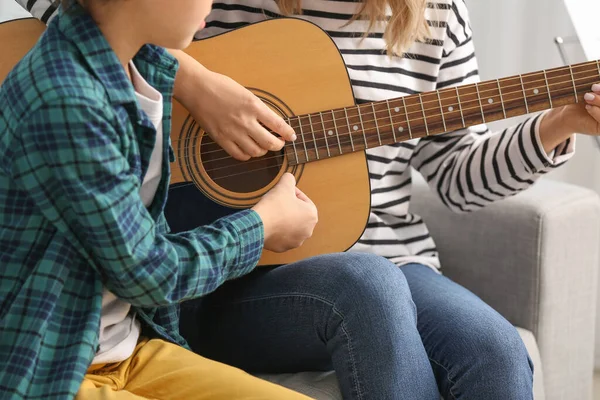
(251, 235)
(540, 160)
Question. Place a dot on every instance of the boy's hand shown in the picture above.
(289, 216)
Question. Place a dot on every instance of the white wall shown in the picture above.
(517, 36)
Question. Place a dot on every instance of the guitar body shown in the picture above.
(295, 68)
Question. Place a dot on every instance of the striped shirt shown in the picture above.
(467, 169)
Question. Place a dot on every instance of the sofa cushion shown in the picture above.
(324, 385)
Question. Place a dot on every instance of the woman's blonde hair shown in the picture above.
(406, 25)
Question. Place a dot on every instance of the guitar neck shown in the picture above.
(340, 131)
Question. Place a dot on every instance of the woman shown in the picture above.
(388, 334)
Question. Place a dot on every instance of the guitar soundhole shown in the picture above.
(239, 176)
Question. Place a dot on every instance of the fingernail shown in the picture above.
(596, 87)
(589, 97)
(588, 107)
(294, 137)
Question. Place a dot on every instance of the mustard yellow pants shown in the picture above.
(164, 371)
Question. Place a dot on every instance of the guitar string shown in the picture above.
(386, 118)
(384, 136)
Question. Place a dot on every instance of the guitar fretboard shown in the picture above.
(340, 131)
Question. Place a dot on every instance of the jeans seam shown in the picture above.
(277, 296)
(447, 377)
(357, 385)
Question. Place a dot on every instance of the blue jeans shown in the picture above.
(388, 332)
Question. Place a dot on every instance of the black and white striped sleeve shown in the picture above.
(44, 10)
(470, 168)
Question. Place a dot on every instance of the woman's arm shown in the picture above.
(561, 123)
(473, 167)
(44, 10)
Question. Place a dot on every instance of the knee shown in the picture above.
(364, 280)
(490, 361)
(503, 354)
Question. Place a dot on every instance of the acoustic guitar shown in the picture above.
(295, 68)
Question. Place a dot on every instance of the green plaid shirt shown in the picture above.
(74, 147)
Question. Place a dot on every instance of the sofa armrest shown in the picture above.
(533, 257)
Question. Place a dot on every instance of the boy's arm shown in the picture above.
(67, 158)
(43, 10)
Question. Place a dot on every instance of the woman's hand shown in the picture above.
(227, 111)
(560, 123)
(591, 124)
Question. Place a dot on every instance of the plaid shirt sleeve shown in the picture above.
(68, 158)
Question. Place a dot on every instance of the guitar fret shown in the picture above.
(392, 120)
(524, 94)
(376, 124)
(424, 116)
(574, 87)
(548, 88)
(407, 119)
(480, 103)
(349, 129)
(303, 138)
(324, 134)
(460, 107)
(362, 127)
(442, 111)
(312, 130)
(336, 131)
(501, 99)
